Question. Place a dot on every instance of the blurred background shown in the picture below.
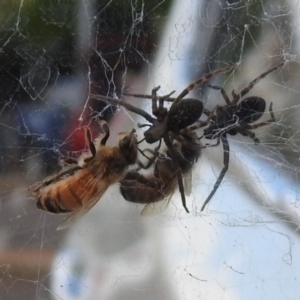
(246, 243)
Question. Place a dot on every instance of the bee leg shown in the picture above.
(89, 142)
(67, 161)
(143, 153)
(104, 127)
(145, 166)
(152, 159)
(159, 182)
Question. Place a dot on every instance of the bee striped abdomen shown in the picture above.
(69, 194)
(51, 205)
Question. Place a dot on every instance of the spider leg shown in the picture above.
(177, 169)
(213, 145)
(223, 172)
(154, 100)
(243, 130)
(128, 106)
(252, 136)
(182, 140)
(143, 125)
(243, 92)
(272, 120)
(200, 81)
(247, 128)
(206, 112)
(200, 124)
(163, 98)
(226, 98)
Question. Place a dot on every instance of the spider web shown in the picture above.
(54, 54)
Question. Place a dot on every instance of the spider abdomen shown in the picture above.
(251, 109)
(184, 114)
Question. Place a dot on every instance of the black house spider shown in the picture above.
(182, 113)
(234, 118)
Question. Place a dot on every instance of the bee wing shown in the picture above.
(154, 208)
(187, 182)
(74, 216)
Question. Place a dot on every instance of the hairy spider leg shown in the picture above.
(244, 91)
(128, 106)
(237, 97)
(177, 170)
(248, 127)
(186, 90)
(159, 112)
(223, 172)
(170, 99)
(200, 124)
(163, 98)
(200, 81)
(272, 120)
(154, 100)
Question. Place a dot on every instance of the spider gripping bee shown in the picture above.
(156, 190)
(78, 187)
(182, 113)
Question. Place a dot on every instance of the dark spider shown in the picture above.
(234, 118)
(182, 113)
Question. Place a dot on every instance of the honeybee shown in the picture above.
(156, 190)
(78, 187)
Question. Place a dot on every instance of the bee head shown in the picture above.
(128, 146)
